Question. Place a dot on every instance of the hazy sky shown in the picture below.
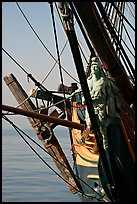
(22, 44)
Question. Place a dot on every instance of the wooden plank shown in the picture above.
(53, 147)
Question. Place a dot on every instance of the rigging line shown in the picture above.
(113, 34)
(104, 25)
(129, 37)
(41, 40)
(4, 117)
(34, 31)
(126, 44)
(110, 8)
(8, 120)
(116, 20)
(32, 78)
(83, 47)
(106, 6)
(119, 32)
(126, 32)
(57, 48)
(29, 75)
(121, 23)
(43, 159)
(18, 129)
(126, 66)
(54, 104)
(112, 17)
(130, 7)
(121, 14)
(83, 54)
(15, 61)
(126, 29)
(55, 62)
(43, 79)
(120, 26)
(122, 40)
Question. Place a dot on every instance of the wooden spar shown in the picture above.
(21, 95)
(102, 44)
(53, 147)
(43, 117)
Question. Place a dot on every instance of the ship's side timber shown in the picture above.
(53, 147)
(102, 44)
(86, 162)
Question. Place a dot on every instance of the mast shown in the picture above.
(68, 23)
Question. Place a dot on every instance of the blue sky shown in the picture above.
(21, 43)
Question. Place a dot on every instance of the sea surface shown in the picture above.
(25, 178)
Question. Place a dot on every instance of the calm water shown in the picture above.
(25, 178)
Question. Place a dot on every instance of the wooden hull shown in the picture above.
(86, 163)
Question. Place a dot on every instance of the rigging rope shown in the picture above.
(28, 75)
(15, 61)
(115, 37)
(19, 130)
(121, 14)
(57, 48)
(131, 7)
(42, 42)
(32, 78)
(43, 79)
(122, 26)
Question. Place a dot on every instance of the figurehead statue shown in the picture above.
(104, 98)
